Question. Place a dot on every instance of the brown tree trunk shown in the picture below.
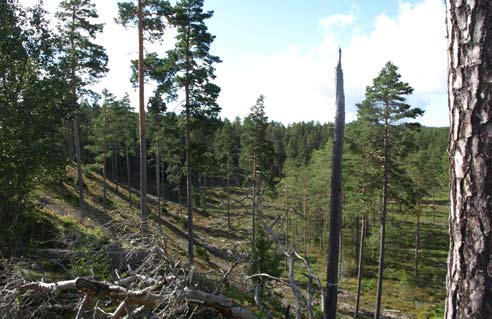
(359, 272)
(228, 194)
(116, 168)
(80, 178)
(188, 156)
(127, 155)
(382, 238)
(143, 146)
(336, 198)
(253, 208)
(158, 184)
(189, 202)
(417, 233)
(104, 159)
(469, 25)
(304, 206)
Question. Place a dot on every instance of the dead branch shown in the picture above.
(144, 297)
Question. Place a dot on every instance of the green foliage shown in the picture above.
(265, 258)
(96, 265)
(33, 107)
(83, 61)
(202, 253)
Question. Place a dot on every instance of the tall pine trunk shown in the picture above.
(104, 160)
(382, 235)
(359, 268)
(469, 25)
(336, 198)
(189, 185)
(253, 208)
(417, 233)
(80, 178)
(158, 184)
(143, 146)
(229, 194)
(127, 155)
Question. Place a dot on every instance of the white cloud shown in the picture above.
(299, 85)
(338, 19)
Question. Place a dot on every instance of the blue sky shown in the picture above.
(287, 50)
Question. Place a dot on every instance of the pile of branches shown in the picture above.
(160, 287)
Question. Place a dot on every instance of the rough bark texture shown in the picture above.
(336, 197)
(469, 26)
(143, 146)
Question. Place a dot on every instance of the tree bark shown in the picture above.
(127, 155)
(468, 283)
(417, 233)
(104, 158)
(228, 194)
(336, 198)
(359, 272)
(158, 184)
(80, 177)
(304, 204)
(253, 208)
(143, 146)
(382, 236)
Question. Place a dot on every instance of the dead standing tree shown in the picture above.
(336, 198)
(469, 27)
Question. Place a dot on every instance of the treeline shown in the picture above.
(109, 139)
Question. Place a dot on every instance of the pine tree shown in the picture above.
(83, 61)
(257, 149)
(226, 147)
(194, 71)
(385, 107)
(151, 20)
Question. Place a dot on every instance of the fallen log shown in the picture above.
(143, 297)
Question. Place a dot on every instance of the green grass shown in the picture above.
(420, 297)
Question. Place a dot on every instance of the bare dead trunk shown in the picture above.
(468, 281)
(336, 198)
(143, 146)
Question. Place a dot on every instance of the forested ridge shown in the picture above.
(109, 209)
